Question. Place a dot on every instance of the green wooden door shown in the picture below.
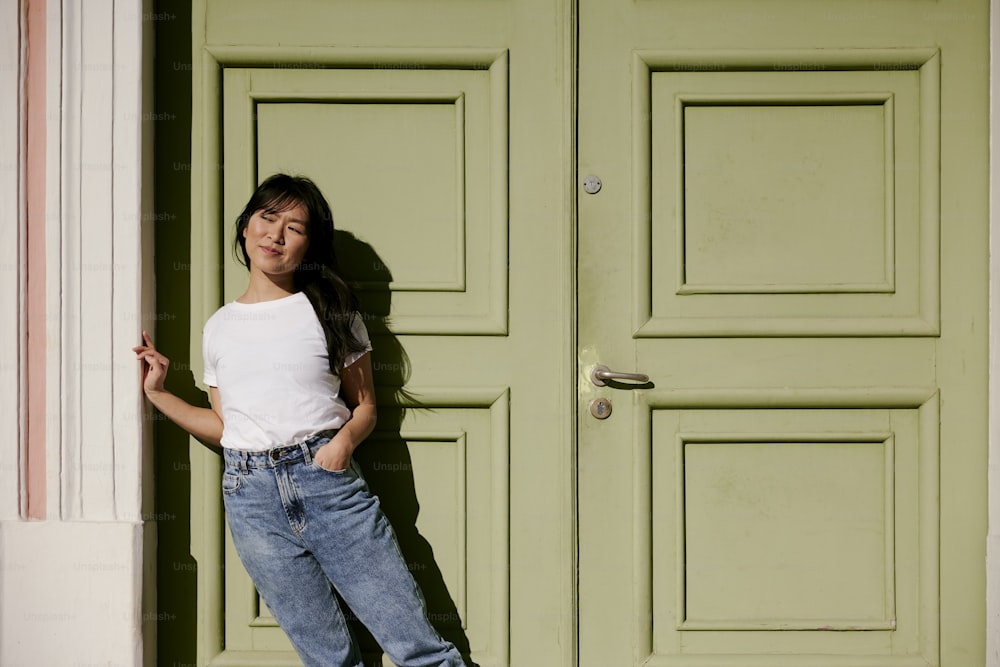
(438, 136)
(790, 240)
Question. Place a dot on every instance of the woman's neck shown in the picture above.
(263, 287)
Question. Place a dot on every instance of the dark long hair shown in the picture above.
(318, 275)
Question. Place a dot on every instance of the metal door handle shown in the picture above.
(602, 373)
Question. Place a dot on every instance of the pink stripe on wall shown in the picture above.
(35, 279)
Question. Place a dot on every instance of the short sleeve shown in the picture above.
(208, 358)
(361, 333)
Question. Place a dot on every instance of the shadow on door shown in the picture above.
(385, 460)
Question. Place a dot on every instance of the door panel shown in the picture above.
(447, 195)
(789, 242)
(410, 169)
(801, 196)
(405, 149)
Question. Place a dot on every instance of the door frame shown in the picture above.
(993, 488)
(993, 538)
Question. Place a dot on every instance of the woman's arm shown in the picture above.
(202, 423)
(357, 388)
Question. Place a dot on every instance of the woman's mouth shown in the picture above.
(270, 251)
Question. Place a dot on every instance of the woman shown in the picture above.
(290, 380)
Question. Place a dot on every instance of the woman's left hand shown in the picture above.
(334, 455)
(359, 393)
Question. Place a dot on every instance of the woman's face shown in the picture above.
(276, 241)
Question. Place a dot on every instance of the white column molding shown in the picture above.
(95, 261)
(12, 225)
(63, 387)
(54, 49)
(132, 277)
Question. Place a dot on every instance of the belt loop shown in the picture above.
(306, 453)
(243, 461)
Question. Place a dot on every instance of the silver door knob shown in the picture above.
(601, 374)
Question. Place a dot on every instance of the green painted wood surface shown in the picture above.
(453, 205)
(791, 242)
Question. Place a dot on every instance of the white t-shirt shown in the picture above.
(270, 363)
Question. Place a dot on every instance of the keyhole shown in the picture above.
(600, 408)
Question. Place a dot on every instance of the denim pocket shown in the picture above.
(339, 473)
(231, 483)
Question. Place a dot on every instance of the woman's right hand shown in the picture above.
(154, 370)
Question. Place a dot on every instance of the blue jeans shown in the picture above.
(299, 528)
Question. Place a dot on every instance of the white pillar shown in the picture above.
(12, 216)
(79, 586)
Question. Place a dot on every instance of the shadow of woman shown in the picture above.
(385, 457)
